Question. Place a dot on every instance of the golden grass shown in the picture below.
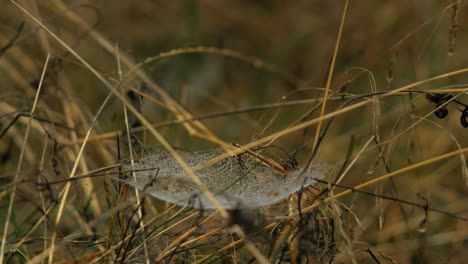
(340, 83)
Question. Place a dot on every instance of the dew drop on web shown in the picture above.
(236, 182)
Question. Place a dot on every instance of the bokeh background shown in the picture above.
(385, 45)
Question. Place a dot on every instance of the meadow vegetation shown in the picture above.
(373, 91)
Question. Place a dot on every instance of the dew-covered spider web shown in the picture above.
(240, 181)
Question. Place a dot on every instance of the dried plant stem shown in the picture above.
(20, 163)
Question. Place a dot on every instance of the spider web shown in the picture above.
(239, 181)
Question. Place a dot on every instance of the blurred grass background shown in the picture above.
(395, 43)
